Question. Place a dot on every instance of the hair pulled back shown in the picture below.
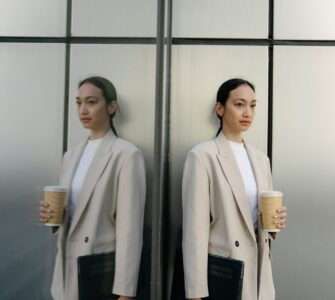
(224, 91)
(108, 91)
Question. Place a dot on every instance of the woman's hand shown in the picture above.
(280, 218)
(45, 212)
(125, 298)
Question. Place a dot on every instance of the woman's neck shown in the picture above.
(98, 134)
(233, 136)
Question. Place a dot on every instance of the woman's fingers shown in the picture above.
(45, 212)
(280, 218)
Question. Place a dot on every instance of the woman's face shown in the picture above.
(92, 109)
(239, 110)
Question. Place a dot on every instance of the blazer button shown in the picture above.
(266, 240)
(86, 239)
(237, 243)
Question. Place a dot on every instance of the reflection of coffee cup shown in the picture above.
(55, 196)
(270, 201)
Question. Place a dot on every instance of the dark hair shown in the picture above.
(108, 91)
(224, 91)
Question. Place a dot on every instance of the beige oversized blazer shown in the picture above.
(108, 215)
(217, 218)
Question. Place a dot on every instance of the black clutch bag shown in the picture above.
(96, 276)
(225, 278)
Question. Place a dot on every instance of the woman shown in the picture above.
(105, 177)
(221, 181)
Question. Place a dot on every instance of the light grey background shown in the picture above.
(304, 169)
(32, 18)
(218, 19)
(31, 93)
(125, 18)
(304, 20)
(31, 124)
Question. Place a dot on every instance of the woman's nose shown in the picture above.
(247, 111)
(82, 109)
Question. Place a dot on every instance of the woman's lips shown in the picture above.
(245, 122)
(85, 119)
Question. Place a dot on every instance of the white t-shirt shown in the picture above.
(81, 171)
(248, 177)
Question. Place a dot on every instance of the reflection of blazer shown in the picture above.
(217, 218)
(108, 215)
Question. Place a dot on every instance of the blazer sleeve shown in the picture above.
(129, 224)
(196, 225)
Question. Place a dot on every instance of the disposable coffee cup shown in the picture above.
(55, 196)
(270, 201)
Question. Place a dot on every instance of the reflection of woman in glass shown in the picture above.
(106, 179)
(221, 181)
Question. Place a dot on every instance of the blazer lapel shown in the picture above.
(230, 169)
(70, 165)
(258, 169)
(98, 165)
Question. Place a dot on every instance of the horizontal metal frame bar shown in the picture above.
(175, 41)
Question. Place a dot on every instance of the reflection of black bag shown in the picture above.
(96, 276)
(225, 278)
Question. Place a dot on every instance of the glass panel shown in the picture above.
(31, 97)
(301, 19)
(304, 169)
(32, 18)
(126, 18)
(132, 70)
(221, 19)
(197, 73)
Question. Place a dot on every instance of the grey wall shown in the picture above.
(292, 68)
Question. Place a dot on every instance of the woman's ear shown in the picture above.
(219, 108)
(112, 107)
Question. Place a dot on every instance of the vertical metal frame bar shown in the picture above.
(158, 172)
(270, 78)
(67, 75)
(167, 113)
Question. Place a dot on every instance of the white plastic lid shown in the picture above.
(271, 193)
(55, 188)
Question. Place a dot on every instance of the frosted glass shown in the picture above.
(31, 98)
(32, 18)
(220, 19)
(301, 19)
(114, 18)
(132, 70)
(304, 169)
(197, 73)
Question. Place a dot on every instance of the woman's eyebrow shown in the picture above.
(88, 97)
(244, 100)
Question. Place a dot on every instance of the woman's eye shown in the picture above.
(239, 105)
(78, 102)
